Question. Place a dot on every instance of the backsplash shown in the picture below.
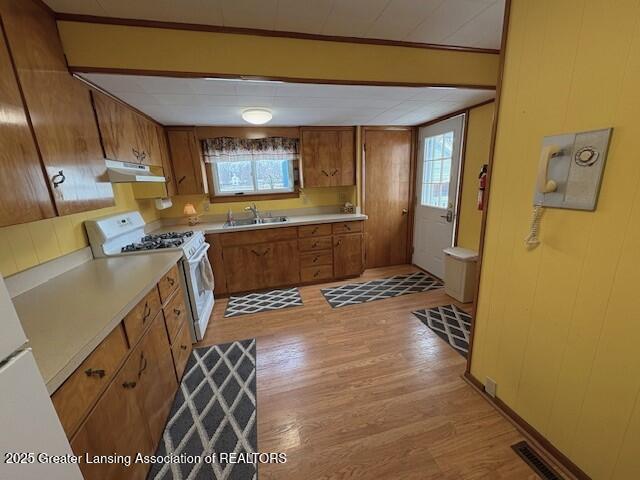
(309, 197)
(26, 245)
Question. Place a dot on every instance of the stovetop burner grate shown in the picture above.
(158, 241)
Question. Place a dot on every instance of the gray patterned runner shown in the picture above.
(354, 293)
(449, 323)
(262, 301)
(214, 412)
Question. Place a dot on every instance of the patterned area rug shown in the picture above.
(449, 323)
(262, 302)
(355, 293)
(214, 412)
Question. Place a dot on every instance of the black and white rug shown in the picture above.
(262, 301)
(355, 293)
(449, 323)
(214, 412)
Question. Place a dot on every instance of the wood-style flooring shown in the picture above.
(368, 392)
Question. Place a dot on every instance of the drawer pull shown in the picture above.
(314, 231)
(347, 227)
(183, 347)
(129, 384)
(255, 253)
(146, 311)
(315, 244)
(143, 364)
(265, 252)
(338, 243)
(171, 281)
(316, 274)
(315, 259)
(94, 373)
(177, 311)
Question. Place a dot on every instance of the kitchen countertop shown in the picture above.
(293, 221)
(66, 318)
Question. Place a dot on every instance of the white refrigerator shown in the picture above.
(29, 425)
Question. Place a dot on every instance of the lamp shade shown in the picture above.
(189, 209)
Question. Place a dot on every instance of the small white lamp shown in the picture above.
(189, 209)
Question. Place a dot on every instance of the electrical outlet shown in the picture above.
(490, 387)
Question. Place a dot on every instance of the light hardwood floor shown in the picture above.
(368, 392)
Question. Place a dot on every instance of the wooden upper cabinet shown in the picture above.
(167, 168)
(328, 156)
(24, 194)
(186, 160)
(59, 107)
(126, 135)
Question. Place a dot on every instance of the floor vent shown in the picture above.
(529, 455)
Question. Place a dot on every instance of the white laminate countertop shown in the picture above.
(66, 318)
(292, 221)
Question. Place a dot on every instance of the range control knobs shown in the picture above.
(586, 156)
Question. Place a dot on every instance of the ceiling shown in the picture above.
(469, 23)
(199, 101)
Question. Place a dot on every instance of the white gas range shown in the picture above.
(123, 234)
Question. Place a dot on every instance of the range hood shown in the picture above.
(123, 172)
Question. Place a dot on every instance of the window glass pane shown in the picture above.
(273, 174)
(236, 176)
(437, 170)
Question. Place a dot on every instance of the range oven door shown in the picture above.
(200, 291)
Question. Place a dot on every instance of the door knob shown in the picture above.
(405, 211)
(448, 217)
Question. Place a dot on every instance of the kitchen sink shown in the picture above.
(254, 221)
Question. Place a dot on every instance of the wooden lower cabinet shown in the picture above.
(130, 416)
(117, 426)
(347, 255)
(281, 264)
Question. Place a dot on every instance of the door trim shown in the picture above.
(412, 179)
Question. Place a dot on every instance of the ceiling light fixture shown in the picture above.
(257, 116)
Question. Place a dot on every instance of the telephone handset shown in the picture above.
(543, 185)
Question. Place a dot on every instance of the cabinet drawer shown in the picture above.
(181, 349)
(175, 314)
(168, 284)
(314, 230)
(137, 319)
(311, 274)
(258, 236)
(347, 227)
(312, 244)
(74, 398)
(314, 259)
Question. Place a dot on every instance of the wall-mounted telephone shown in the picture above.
(569, 174)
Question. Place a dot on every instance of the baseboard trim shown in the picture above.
(527, 430)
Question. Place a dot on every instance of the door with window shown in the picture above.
(439, 152)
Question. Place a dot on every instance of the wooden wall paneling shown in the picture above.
(59, 108)
(24, 191)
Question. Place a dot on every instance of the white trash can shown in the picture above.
(460, 273)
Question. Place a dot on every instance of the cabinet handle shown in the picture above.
(314, 245)
(94, 373)
(182, 179)
(315, 259)
(170, 281)
(146, 312)
(324, 173)
(346, 225)
(177, 311)
(334, 172)
(183, 347)
(58, 179)
(266, 251)
(143, 155)
(316, 274)
(129, 384)
(255, 253)
(314, 231)
(338, 243)
(143, 364)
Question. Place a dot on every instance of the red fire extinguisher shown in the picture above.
(482, 186)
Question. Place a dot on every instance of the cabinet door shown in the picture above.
(117, 129)
(186, 161)
(243, 268)
(156, 376)
(24, 194)
(116, 426)
(281, 263)
(60, 109)
(347, 255)
(148, 141)
(344, 171)
(165, 158)
(319, 147)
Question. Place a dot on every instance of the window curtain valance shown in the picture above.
(229, 148)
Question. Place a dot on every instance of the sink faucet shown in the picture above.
(254, 210)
